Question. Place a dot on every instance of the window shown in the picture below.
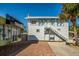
(59, 29)
(41, 22)
(52, 21)
(60, 23)
(33, 22)
(37, 30)
(47, 30)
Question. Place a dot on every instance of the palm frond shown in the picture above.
(62, 17)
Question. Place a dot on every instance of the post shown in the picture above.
(3, 32)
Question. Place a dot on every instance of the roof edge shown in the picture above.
(31, 17)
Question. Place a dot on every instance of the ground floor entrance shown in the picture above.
(45, 34)
(50, 35)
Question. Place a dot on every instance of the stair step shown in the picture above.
(57, 32)
(70, 41)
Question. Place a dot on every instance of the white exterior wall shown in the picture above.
(63, 30)
(18, 31)
(41, 36)
(32, 31)
(6, 32)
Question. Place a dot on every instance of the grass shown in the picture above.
(3, 42)
(9, 41)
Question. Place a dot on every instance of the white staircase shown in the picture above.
(58, 33)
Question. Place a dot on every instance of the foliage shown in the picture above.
(62, 16)
(2, 20)
(0, 30)
(71, 28)
(9, 30)
(70, 11)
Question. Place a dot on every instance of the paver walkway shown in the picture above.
(61, 49)
(37, 49)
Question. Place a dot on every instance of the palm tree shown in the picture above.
(70, 12)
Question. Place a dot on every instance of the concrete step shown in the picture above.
(70, 41)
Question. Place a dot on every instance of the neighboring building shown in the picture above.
(16, 27)
(2, 23)
(10, 30)
(47, 28)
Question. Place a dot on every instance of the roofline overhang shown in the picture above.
(36, 17)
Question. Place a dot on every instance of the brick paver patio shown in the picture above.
(37, 49)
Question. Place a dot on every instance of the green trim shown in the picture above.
(2, 20)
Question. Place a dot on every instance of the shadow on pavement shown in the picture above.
(13, 49)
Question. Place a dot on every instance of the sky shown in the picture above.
(21, 10)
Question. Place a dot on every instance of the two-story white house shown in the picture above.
(47, 28)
